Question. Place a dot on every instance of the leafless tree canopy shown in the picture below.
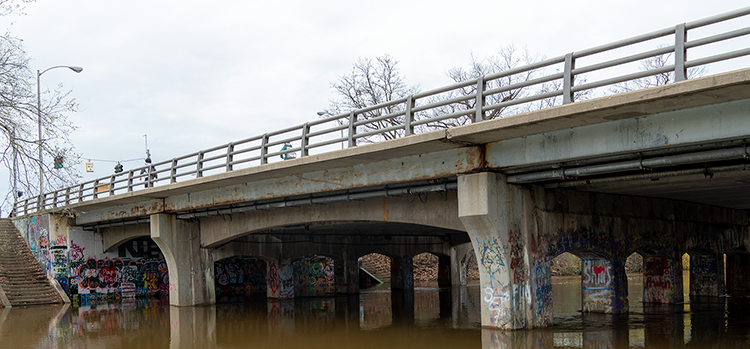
(660, 79)
(370, 83)
(19, 121)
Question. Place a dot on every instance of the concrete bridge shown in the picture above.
(659, 171)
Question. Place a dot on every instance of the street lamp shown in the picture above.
(39, 120)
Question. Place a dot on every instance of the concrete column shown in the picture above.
(604, 287)
(460, 255)
(402, 273)
(706, 275)
(444, 271)
(499, 219)
(662, 279)
(179, 241)
(273, 280)
(738, 274)
(346, 275)
(286, 279)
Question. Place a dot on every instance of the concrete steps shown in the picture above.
(377, 268)
(21, 278)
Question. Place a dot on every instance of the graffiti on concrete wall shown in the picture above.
(490, 253)
(114, 276)
(59, 265)
(286, 279)
(314, 276)
(239, 279)
(37, 237)
(543, 289)
(704, 275)
(598, 285)
(657, 280)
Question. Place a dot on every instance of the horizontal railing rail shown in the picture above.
(554, 81)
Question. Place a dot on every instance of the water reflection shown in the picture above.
(377, 318)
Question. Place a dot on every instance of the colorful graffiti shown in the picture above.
(136, 278)
(240, 279)
(491, 258)
(657, 280)
(543, 286)
(598, 286)
(314, 276)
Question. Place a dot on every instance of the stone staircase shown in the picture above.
(22, 280)
(377, 268)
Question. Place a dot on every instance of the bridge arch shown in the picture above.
(435, 212)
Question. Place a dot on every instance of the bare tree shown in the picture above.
(660, 79)
(507, 59)
(372, 82)
(20, 120)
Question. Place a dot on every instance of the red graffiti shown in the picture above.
(598, 270)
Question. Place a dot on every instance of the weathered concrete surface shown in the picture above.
(447, 152)
(189, 272)
(691, 93)
(516, 230)
(113, 237)
(436, 211)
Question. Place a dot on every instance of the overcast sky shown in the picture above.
(195, 74)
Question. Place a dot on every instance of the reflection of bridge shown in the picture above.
(659, 171)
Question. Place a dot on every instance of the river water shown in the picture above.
(377, 318)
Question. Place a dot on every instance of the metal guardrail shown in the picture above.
(470, 101)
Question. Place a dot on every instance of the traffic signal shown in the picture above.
(118, 168)
(59, 161)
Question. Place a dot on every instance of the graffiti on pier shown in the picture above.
(59, 266)
(491, 258)
(543, 294)
(273, 279)
(516, 257)
(658, 280)
(286, 279)
(314, 276)
(598, 286)
(704, 275)
(240, 278)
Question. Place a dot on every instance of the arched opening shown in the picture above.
(565, 264)
(375, 270)
(135, 270)
(426, 270)
(686, 276)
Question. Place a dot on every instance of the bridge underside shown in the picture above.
(660, 172)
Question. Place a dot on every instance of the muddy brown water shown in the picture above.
(377, 318)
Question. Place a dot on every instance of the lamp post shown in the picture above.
(39, 120)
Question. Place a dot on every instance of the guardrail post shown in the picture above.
(352, 129)
(112, 185)
(680, 53)
(199, 165)
(568, 79)
(409, 116)
(173, 172)
(230, 156)
(479, 104)
(264, 149)
(303, 143)
(80, 193)
(130, 181)
(54, 199)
